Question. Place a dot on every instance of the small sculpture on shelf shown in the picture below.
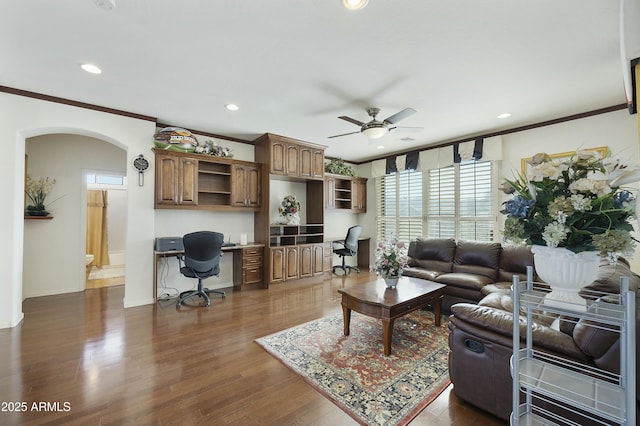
(290, 210)
(215, 149)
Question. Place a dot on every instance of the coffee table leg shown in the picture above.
(346, 317)
(387, 331)
(437, 307)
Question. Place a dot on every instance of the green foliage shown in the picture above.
(339, 167)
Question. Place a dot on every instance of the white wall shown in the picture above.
(22, 118)
(54, 250)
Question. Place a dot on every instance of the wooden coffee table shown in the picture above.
(375, 300)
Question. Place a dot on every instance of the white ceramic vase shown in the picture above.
(293, 219)
(391, 281)
(566, 273)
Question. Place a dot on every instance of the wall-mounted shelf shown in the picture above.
(38, 217)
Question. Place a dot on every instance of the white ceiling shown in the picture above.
(294, 66)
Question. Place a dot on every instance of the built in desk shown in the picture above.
(363, 250)
(247, 265)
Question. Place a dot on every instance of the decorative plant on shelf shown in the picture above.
(339, 167)
(215, 149)
(37, 191)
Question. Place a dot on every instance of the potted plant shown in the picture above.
(339, 167)
(391, 259)
(37, 191)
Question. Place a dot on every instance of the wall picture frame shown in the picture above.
(602, 150)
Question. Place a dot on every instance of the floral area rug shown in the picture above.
(355, 374)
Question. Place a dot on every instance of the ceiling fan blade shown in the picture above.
(351, 120)
(344, 134)
(406, 129)
(399, 115)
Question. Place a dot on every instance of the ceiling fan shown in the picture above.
(375, 128)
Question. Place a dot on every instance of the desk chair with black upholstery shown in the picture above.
(348, 247)
(202, 252)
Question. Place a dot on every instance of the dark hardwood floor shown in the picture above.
(84, 360)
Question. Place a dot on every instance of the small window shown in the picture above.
(106, 181)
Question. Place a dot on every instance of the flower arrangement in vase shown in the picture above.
(37, 191)
(391, 259)
(290, 210)
(572, 211)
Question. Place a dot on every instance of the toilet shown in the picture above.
(88, 259)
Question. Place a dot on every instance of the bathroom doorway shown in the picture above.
(106, 195)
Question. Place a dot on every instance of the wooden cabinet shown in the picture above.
(248, 268)
(327, 260)
(195, 181)
(290, 157)
(311, 162)
(291, 254)
(246, 180)
(176, 180)
(311, 259)
(359, 195)
(285, 158)
(277, 264)
(345, 193)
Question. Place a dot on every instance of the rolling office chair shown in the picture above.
(349, 247)
(202, 252)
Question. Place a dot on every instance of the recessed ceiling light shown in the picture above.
(91, 68)
(105, 4)
(232, 107)
(505, 115)
(354, 4)
(380, 147)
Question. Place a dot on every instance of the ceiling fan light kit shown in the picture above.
(375, 129)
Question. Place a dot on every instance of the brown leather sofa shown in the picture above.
(466, 267)
(478, 278)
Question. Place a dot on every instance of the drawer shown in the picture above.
(252, 251)
(252, 261)
(252, 275)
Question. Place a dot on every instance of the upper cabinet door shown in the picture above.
(293, 160)
(166, 179)
(188, 181)
(306, 162)
(278, 162)
(317, 164)
(246, 185)
(176, 180)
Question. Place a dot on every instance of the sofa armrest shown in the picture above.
(501, 322)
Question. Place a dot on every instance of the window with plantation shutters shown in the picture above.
(399, 209)
(460, 202)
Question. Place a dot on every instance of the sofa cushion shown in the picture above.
(501, 322)
(479, 258)
(514, 261)
(459, 279)
(434, 254)
(419, 272)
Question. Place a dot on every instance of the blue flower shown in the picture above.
(622, 199)
(518, 206)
